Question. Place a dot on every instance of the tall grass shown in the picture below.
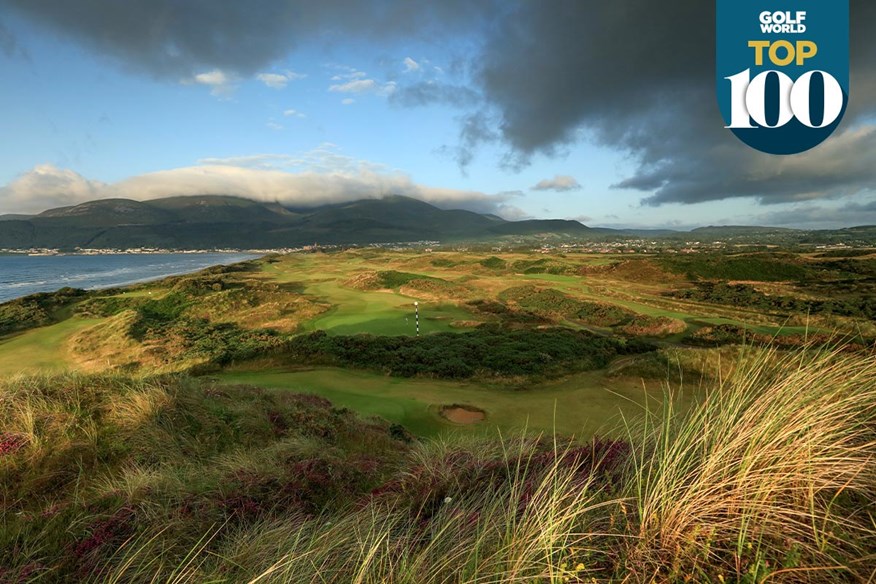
(772, 476)
(769, 477)
(517, 531)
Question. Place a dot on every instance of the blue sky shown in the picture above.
(336, 113)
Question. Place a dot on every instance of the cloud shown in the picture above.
(273, 80)
(550, 76)
(258, 161)
(46, 186)
(427, 93)
(345, 72)
(841, 167)
(325, 158)
(348, 101)
(322, 176)
(275, 126)
(357, 86)
(178, 38)
(9, 45)
(410, 65)
(542, 75)
(363, 86)
(279, 80)
(584, 219)
(291, 113)
(221, 84)
(858, 211)
(560, 184)
(387, 89)
(215, 77)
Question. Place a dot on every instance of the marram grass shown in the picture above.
(770, 477)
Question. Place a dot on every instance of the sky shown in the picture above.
(603, 112)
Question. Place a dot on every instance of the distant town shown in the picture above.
(625, 246)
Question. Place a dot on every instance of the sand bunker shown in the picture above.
(464, 415)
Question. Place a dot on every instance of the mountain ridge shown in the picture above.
(214, 221)
(225, 221)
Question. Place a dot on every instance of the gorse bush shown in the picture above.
(769, 477)
(739, 295)
(553, 303)
(761, 267)
(484, 352)
(494, 263)
(155, 314)
(394, 279)
(36, 310)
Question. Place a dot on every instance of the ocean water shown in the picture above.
(21, 275)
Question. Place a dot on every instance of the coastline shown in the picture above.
(121, 275)
(38, 252)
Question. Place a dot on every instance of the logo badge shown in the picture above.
(782, 71)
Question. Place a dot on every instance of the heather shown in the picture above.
(768, 477)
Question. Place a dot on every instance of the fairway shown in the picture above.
(332, 292)
(380, 312)
(584, 404)
(40, 350)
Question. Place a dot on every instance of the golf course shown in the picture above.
(643, 334)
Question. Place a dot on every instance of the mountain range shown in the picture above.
(217, 221)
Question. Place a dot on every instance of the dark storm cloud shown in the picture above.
(9, 44)
(633, 75)
(430, 92)
(638, 76)
(820, 217)
(181, 37)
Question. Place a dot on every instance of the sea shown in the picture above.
(21, 275)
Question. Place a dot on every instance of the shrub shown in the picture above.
(549, 302)
(494, 263)
(486, 351)
(36, 310)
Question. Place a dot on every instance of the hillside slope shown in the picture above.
(211, 221)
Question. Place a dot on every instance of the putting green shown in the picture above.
(583, 404)
(380, 313)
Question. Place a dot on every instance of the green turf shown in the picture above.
(573, 284)
(40, 350)
(581, 404)
(762, 329)
(379, 312)
(556, 278)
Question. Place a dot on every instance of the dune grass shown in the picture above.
(770, 477)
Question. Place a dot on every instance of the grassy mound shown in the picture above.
(553, 303)
(494, 263)
(90, 464)
(36, 310)
(755, 267)
(768, 479)
(433, 288)
(388, 280)
(653, 326)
